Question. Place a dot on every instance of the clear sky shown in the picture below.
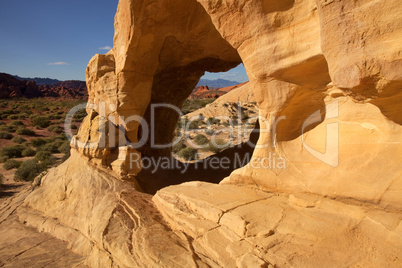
(56, 39)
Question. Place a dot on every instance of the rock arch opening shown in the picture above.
(170, 90)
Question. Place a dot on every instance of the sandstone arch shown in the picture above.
(300, 56)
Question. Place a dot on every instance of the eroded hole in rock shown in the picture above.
(215, 135)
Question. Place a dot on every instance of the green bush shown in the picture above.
(80, 115)
(201, 139)
(52, 148)
(3, 159)
(45, 158)
(65, 147)
(38, 142)
(62, 136)
(23, 116)
(213, 121)
(219, 146)
(19, 139)
(5, 135)
(8, 128)
(29, 170)
(188, 153)
(33, 116)
(13, 151)
(10, 164)
(17, 123)
(41, 122)
(178, 147)
(55, 129)
(194, 124)
(13, 116)
(28, 152)
(25, 131)
(65, 156)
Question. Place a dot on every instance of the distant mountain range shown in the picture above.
(39, 81)
(218, 83)
(17, 87)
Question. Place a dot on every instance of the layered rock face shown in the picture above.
(324, 185)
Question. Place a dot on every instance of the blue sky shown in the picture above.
(56, 39)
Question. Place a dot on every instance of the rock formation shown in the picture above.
(238, 99)
(11, 87)
(324, 185)
(204, 92)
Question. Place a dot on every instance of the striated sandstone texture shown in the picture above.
(324, 185)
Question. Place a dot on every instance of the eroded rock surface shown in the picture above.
(326, 77)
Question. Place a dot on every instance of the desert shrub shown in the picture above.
(194, 124)
(28, 152)
(3, 104)
(80, 115)
(24, 107)
(201, 139)
(29, 170)
(65, 147)
(52, 148)
(50, 117)
(38, 142)
(19, 139)
(178, 147)
(193, 105)
(62, 136)
(13, 151)
(73, 126)
(219, 146)
(213, 121)
(33, 116)
(23, 116)
(13, 116)
(55, 129)
(4, 128)
(9, 128)
(8, 111)
(45, 158)
(188, 153)
(1, 180)
(245, 116)
(25, 131)
(65, 157)
(41, 122)
(16, 123)
(11, 163)
(5, 135)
